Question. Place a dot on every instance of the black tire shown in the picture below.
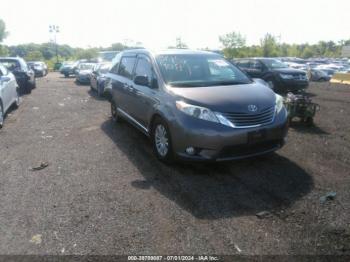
(99, 92)
(114, 112)
(166, 156)
(34, 84)
(2, 115)
(16, 104)
(309, 121)
(66, 75)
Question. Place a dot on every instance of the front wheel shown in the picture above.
(99, 90)
(161, 141)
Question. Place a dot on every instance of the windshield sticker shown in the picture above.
(220, 62)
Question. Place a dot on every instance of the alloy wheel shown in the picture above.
(17, 99)
(1, 116)
(114, 111)
(161, 140)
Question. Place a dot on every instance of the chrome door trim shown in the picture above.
(132, 120)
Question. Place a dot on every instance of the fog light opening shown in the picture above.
(191, 150)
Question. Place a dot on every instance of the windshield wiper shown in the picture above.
(223, 83)
(186, 84)
(212, 83)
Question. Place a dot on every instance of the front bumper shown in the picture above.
(39, 72)
(216, 142)
(292, 85)
(67, 71)
(83, 79)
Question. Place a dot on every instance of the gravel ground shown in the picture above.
(105, 193)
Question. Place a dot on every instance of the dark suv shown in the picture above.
(196, 105)
(277, 74)
(25, 76)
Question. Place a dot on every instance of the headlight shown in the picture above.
(286, 76)
(202, 113)
(279, 103)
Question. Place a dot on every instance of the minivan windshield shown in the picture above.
(86, 66)
(274, 64)
(193, 70)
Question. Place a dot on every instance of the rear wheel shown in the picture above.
(28, 88)
(33, 85)
(17, 99)
(99, 91)
(2, 115)
(161, 141)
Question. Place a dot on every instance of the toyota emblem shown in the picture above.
(252, 108)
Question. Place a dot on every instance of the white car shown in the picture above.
(8, 92)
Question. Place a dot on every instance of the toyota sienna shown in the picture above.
(196, 105)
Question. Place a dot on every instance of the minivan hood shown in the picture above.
(288, 70)
(228, 98)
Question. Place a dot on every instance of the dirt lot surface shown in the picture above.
(103, 191)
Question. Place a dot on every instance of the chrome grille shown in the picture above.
(242, 120)
(300, 77)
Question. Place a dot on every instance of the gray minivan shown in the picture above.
(196, 105)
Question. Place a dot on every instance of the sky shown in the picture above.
(157, 23)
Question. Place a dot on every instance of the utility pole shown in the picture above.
(54, 29)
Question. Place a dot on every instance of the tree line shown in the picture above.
(234, 46)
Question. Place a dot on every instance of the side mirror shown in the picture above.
(154, 84)
(141, 80)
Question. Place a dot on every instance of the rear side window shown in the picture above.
(11, 65)
(126, 66)
(243, 63)
(3, 70)
(255, 64)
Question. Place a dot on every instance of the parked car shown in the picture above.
(57, 66)
(82, 74)
(40, 68)
(196, 105)
(277, 74)
(302, 67)
(318, 75)
(330, 72)
(68, 68)
(98, 77)
(25, 76)
(8, 92)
